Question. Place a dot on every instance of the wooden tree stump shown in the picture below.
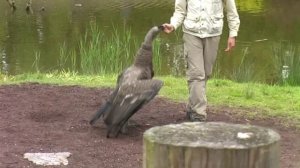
(210, 145)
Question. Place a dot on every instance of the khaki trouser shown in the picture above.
(201, 54)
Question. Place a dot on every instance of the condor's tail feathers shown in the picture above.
(100, 112)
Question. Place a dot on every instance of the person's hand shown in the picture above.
(168, 28)
(230, 44)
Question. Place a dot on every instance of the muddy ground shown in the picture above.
(49, 118)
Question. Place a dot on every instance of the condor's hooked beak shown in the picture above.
(161, 27)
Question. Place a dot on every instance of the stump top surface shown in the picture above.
(212, 135)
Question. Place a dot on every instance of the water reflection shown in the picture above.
(251, 6)
(4, 64)
(126, 10)
(40, 28)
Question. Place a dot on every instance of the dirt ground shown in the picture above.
(49, 118)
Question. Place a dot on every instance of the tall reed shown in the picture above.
(244, 71)
(36, 62)
(67, 60)
(157, 55)
(63, 56)
(90, 51)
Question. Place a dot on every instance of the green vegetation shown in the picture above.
(244, 71)
(100, 53)
(280, 69)
(265, 100)
(286, 62)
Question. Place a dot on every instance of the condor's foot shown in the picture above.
(129, 123)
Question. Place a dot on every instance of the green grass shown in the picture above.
(61, 78)
(274, 101)
(280, 101)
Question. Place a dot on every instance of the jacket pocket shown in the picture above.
(191, 23)
(217, 23)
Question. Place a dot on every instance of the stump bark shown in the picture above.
(210, 145)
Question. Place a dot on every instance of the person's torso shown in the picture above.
(204, 18)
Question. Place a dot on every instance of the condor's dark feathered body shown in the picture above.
(135, 88)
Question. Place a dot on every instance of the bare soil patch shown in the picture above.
(50, 118)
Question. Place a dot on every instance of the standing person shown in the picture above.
(202, 27)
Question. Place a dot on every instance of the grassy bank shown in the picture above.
(279, 101)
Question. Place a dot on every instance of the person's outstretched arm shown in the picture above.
(177, 18)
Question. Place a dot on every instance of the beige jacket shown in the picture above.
(204, 18)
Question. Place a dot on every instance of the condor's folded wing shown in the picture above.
(128, 100)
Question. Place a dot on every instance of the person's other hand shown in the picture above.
(168, 28)
(230, 44)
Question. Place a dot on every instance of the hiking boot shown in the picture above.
(195, 117)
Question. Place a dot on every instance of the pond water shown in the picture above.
(269, 34)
